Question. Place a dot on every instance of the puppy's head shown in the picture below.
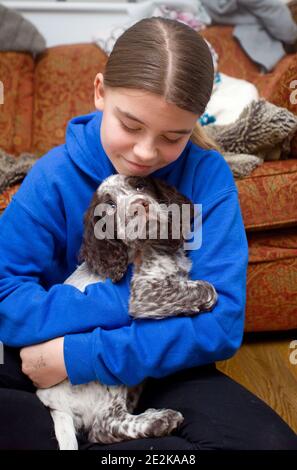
(131, 212)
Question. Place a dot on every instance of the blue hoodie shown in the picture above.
(40, 237)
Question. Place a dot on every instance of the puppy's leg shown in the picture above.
(110, 427)
(65, 431)
(171, 297)
(133, 395)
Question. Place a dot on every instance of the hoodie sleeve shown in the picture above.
(31, 314)
(150, 348)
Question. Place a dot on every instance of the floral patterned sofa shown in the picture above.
(41, 96)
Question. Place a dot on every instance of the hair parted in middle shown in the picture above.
(169, 59)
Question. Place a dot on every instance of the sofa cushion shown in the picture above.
(64, 78)
(272, 280)
(268, 196)
(232, 58)
(16, 74)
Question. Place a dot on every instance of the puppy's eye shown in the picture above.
(111, 203)
(140, 187)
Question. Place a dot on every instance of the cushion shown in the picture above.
(16, 72)
(272, 280)
(268, 196)
(18, 33)
(64, 78)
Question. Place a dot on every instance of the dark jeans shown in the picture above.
(219, 414)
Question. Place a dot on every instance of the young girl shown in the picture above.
(157, 83)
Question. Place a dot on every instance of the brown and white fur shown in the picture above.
(159, 288)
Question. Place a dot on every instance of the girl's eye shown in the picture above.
(171, 141)
(129, 129)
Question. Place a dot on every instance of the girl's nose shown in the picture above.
(145, 153)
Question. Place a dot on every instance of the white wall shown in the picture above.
(78, 21)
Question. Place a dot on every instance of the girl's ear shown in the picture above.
(99, 92)
(106, 257)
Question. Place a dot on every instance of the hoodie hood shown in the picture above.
(84, 146)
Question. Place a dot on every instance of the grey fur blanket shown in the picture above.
(262, 132)
(19, 34)
(14, 169)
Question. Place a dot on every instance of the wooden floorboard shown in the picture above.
(263, 366)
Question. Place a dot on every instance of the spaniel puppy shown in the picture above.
(131, 219)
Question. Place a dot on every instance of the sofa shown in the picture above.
(41, 95)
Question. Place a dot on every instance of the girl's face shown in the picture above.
(140, 132)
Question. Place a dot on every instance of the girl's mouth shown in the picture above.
(136, 167)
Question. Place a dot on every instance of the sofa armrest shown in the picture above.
(275, 86)
(280, 88)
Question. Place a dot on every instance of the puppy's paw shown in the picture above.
(208, 297)
(157, 423)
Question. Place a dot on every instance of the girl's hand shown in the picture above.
(44, 363)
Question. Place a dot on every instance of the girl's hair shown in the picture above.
(167, 58)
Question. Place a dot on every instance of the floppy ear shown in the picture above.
(167, 194)
(106, 257)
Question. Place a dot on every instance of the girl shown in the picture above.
(157, 83)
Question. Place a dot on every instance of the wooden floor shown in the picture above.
(263, 366)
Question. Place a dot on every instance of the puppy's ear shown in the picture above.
(106, 257)
(169, 195)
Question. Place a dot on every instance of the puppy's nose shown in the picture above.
(141, 202)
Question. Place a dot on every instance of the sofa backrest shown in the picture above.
(16, 112)
(63, 89)
(40, 98)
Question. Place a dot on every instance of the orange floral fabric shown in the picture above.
(16, 74)
(271, 296)
(272, 280)
(268, 197)
(64, 78)
(6, 196)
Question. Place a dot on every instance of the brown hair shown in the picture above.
(167, 58)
